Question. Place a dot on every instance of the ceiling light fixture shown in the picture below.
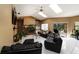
(55, 8)
(41, 12)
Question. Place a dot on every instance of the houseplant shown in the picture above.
(18, 36)
(75, 34)
(30, 29)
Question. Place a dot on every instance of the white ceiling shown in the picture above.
(33, 9)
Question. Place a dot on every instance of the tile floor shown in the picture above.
(69, 45)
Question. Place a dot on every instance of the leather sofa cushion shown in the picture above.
(17, 46)
(28, 41)
(56, 39)
(30, 46)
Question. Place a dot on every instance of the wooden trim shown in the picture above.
(60, 17)
(47, 18)
(30, 17)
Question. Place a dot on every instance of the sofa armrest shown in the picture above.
(5, 49)
(38, 45)
(58, 41)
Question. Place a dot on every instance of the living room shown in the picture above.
(21, 22)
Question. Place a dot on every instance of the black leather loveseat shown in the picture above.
(54, 46)
(28, 47)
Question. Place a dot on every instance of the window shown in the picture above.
(44, 27)
(76, 25)
(62, 28)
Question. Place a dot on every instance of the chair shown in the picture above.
(56, 47)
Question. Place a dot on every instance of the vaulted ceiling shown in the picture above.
(33, 9)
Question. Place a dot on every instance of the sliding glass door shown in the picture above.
(62, 28)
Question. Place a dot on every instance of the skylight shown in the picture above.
(55, 8)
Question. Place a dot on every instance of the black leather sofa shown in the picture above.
(28, 47)
(42, 35)
(56, 46)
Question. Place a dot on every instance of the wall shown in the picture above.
(69, 20)
(6, 32)
(29, 20)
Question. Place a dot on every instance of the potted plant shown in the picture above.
(19, 35)
(75, 34)
(30, 29)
